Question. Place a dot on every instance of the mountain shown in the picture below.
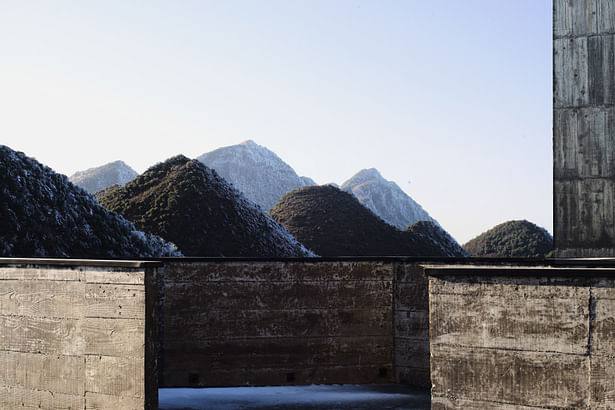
(430, 231)
(332, 222)
(256, 171)
(512, 239)
(95, 179)
(43, 214)
(385, 198)
(188, 203)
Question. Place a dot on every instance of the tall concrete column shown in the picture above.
(584, 127)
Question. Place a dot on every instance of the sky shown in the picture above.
(450, 99)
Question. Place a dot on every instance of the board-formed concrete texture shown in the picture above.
(234, 323)
(515, 337)
(78, 334)
(276, 323)
(584, 127)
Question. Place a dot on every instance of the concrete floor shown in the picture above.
(297, 397)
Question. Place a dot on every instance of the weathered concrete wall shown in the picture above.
(411, 325)
(513, 338)
(584, 127)
(276, 323)
(73, 335)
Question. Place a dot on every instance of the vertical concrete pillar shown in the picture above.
(584, 127)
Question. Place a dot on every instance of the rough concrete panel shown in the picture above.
(412, 324)
(282, 352)
(571, 18)
(254, 295)
(510, 377)
(603, 335)
(56, 373)
(115, 376)
(584, 215)
(570, 72)
(581, 146)
(413, 376)
(18, 398)
(325, 322)
(412, 353)
(114, 301)
(97, 401)
(278, 376)
(511, 321)
(196, 272)
(450, 403)
(602, 387)
(39, 274)
(111, 337)
(43, 299)
(41, 335)
(59, 327)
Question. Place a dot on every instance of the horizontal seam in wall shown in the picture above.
(584, 35)
(386, 335)
(584, 106)
(506, 349)
(435, 394)
(472, 296)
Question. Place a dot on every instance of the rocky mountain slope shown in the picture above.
(332, 222)
(430, 231)
(95, 179)
(385, 198)
(512, 239)
(43, 214)
(256, 171)
(184, 201)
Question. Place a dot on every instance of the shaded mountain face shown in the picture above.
(385, 198)
(332, 222)
(95, 179)
(43, 214)
(204, 215)
(430, 231)
(255, 171)
(512, 239)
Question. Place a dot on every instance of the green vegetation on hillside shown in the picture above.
(184, 201)
(512, 239)
(332, 222)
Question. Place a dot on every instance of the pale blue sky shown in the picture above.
(451, 99)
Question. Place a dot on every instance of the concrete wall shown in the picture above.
(411, 325)
(522, 338)
(73, 334)
(228, 323)
(584, 127)
(276, 323)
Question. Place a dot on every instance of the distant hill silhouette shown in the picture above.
(95, 179)
(332, 222)
(43, 214)
(184, 201)
(512, 239)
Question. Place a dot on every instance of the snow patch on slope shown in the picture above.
(386, 199)
(256, 171)
(98, 178)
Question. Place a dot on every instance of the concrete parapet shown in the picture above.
(540, 339)
(78, 334)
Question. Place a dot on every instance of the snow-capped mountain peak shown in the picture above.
(98, 178)
(386, 199)
(256, 171)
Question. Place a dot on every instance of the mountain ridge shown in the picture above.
(185, 201)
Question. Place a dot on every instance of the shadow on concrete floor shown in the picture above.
(297, 397)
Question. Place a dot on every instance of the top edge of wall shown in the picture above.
(113, 263)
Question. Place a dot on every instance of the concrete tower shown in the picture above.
(584, 127)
